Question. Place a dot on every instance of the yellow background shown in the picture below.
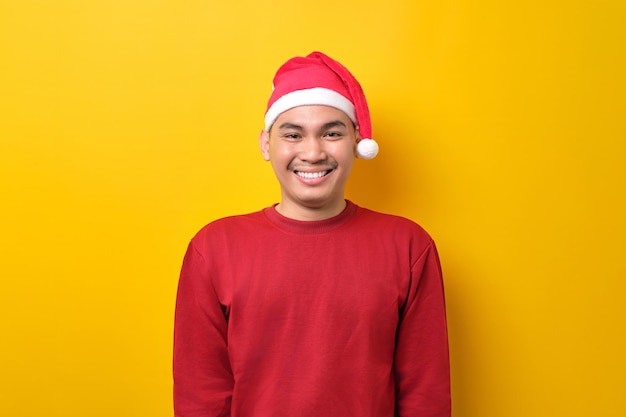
(126, 125)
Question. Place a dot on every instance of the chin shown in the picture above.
(319, 202)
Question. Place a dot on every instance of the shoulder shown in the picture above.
(238, 225)
(392, 234)
(389, 223)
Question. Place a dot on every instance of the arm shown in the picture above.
(203, 380)
(421, 364)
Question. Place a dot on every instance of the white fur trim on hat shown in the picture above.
(309, 97)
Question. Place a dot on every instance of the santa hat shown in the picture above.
(320, 80)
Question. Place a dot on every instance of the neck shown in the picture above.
(304, 213)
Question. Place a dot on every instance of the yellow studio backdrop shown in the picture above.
(125, 126)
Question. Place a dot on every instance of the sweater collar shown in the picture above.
(310, 227)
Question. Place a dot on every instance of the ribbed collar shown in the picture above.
(310, 227)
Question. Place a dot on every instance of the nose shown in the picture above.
(312, 150)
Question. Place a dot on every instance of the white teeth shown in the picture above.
(310, 175)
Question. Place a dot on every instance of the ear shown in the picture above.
(357, 139)
(264, 144)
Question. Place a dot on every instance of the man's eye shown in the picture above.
(333, 135)
(291, 135)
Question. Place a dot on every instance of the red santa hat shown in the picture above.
(318, 79)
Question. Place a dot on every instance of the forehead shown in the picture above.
(312, 116)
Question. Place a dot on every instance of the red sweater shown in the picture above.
(341, 317)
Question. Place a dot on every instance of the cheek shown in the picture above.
(282, 152)
(280, 157)
(347, 152)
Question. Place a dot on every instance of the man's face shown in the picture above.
(312, 150)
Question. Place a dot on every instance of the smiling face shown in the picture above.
(312, 151)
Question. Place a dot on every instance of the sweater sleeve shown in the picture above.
(203, 380)
(421, 366)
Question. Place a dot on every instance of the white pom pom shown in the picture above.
(367, 148)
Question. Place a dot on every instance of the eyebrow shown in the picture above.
(288, 125)
(329, 125)
(334, 123)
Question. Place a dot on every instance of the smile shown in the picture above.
(312, 175)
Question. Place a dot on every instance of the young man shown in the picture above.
(314, 306)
